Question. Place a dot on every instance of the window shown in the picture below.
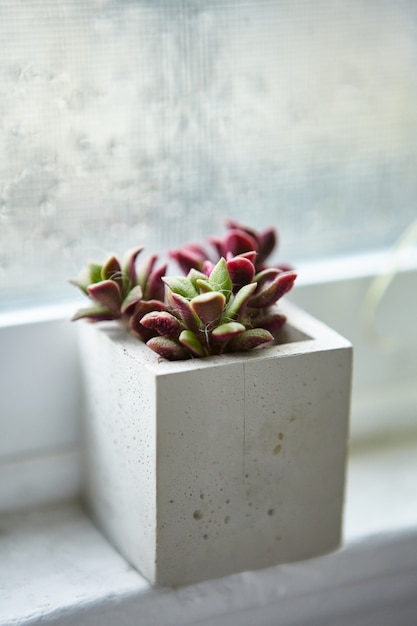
(150, 122)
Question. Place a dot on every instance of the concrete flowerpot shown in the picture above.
(197, 469)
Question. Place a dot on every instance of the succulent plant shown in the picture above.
(222, 305)
(238, 240)
(227, 308)
(121, 291)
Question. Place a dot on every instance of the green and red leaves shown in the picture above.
(168, 349)
(208, 307)
(129, 267)
(219, 306)
(108, 294)
(228, 309)
(241, 271)
(237, 305)
(250, 339)
(220, 280)
(272, 285)
(117, 289)
(164, 323)
(87, 276)
(191, 342)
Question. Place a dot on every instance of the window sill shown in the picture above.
(56, 568)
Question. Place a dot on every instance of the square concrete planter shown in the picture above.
(202, 468)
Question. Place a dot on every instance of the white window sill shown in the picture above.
(56, 568)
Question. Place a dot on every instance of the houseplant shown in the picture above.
(201, 467)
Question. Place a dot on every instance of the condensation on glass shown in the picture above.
(128, 122)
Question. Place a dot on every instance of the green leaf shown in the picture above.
(190, 341)
(181, 285)
(225, 332)
(111, 270)
(237, 304)
(128, 267)
(94, 314)
(95, 272)
(194, 275)
(220, 280)
(203, 285)
(88, 275)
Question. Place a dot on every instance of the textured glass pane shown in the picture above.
(126, 122)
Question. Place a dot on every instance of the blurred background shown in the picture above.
(126, 122)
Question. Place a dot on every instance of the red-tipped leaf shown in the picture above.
(267, 240)
(238, 241)
(208, 267)
(190, 257)
(132, 299)
(251, 256)
(107, 293)
(163, 322)
(241, 271)
(94, 314)
(268, 294)
(225, 332)
(143, 271)
(168, 349)
(182, 307)
(111, 270)
(270, 320)
(249, 340)
(155, 287)
(209, 307)
(128, 266)
(143, 307)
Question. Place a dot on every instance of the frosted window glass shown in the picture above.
(127, 122)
